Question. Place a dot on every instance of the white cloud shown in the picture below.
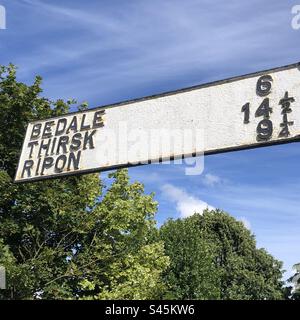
(211, 180)
(117, 51)
(245, 222)
(186, 204)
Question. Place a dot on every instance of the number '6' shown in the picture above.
(264, 85)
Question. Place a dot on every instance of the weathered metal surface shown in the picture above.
(243, 112)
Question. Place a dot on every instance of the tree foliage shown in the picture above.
(213, 256)
(75, 238)
(70, 237)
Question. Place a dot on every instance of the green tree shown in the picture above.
(192, 273)
(213, 256)
(71, 237)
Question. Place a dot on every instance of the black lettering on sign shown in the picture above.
(88, 140)
(36, 131)
(264, 85)
(285, 132)
(53, 146)
(264, 130)
(98, 119)
(28, 164)
(57, 145)
(60, 163)
(38, 167)
(47, 164)
(74, 161)
(76, 142)
(47, 133)
(246, 110)
(73, 125)
(62, 144)
(286, 103)
(84, 126)
(286, 108)
(44, 146)
(264, 109)
(31, 145)
(61, 126)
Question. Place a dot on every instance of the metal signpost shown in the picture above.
(249, 111)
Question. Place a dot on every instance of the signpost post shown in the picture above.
(249, 111)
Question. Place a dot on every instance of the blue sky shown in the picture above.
(108, 51)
